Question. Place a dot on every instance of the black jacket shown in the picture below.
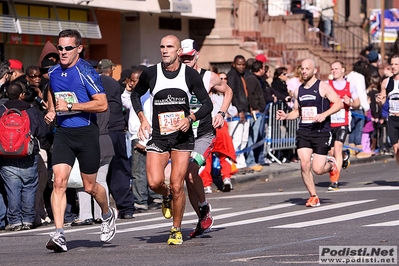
(240, 100)
(280, 89)
(112, 90)
(255, 93)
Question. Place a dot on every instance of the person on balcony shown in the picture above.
(298, 7)
(327, 17)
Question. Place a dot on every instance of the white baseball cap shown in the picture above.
(189, 47)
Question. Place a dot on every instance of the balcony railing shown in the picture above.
(51, 27)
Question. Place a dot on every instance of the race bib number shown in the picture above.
(308, 114)
(338, 117)
(394, 106)
(69, 97)
(169, 121)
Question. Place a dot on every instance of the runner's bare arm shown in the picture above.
(294, 114)
(98, 104)
(327, 91)
(382, 96)
(145, 129)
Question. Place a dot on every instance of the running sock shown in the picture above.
(107, 215)
(59, 230)
(203, 204)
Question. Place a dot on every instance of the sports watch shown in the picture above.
(223, 114)
(69, 106)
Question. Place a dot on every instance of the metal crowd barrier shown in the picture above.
(280, 135)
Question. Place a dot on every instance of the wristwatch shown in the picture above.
(223, 114)
(69, 106)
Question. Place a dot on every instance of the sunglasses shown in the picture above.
(67, 48)
(35, 76)
(223, 78)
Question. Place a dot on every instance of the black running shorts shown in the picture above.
(393, 129)
(339, 134)
(319, 142)
(80, 142)
(162, 144)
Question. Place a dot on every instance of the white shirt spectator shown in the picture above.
(134, 122)
(360, 84)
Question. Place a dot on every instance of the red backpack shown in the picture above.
(15, 137)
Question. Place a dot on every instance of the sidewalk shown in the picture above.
(292, 170)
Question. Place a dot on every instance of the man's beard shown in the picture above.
(308, 78)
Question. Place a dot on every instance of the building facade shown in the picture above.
(126, 31)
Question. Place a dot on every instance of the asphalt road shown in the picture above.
(260, 222)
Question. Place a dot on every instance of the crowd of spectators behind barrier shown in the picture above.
(254, 89)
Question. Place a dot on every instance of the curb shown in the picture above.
(276, 171)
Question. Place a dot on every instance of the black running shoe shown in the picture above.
(346, 154)
(198, 231)
(333, 186)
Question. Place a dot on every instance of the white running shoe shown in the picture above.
(108, 226)
(208, 190)
(57, 242)
(227, 186)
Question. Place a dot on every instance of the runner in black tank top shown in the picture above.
(171, 84)
(312, 106)
(310, 100)
(390, 92)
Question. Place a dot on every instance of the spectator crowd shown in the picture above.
(26, 204)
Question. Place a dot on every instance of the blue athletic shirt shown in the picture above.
(80, 80)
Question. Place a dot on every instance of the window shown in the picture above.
(169, 23)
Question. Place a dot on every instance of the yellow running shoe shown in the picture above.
(175, 237)
(167, 206)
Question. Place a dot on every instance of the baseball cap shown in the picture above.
(262, 58)
(189, 47)
(15, 64)
(372, 56)
(105, 63)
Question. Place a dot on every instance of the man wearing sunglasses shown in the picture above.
(79, 95)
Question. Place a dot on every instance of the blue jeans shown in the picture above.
(327, 28)
(20, 177)
(357, 125)
(307, 15)
(3, 207)
(141, 191)
(254, 133)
